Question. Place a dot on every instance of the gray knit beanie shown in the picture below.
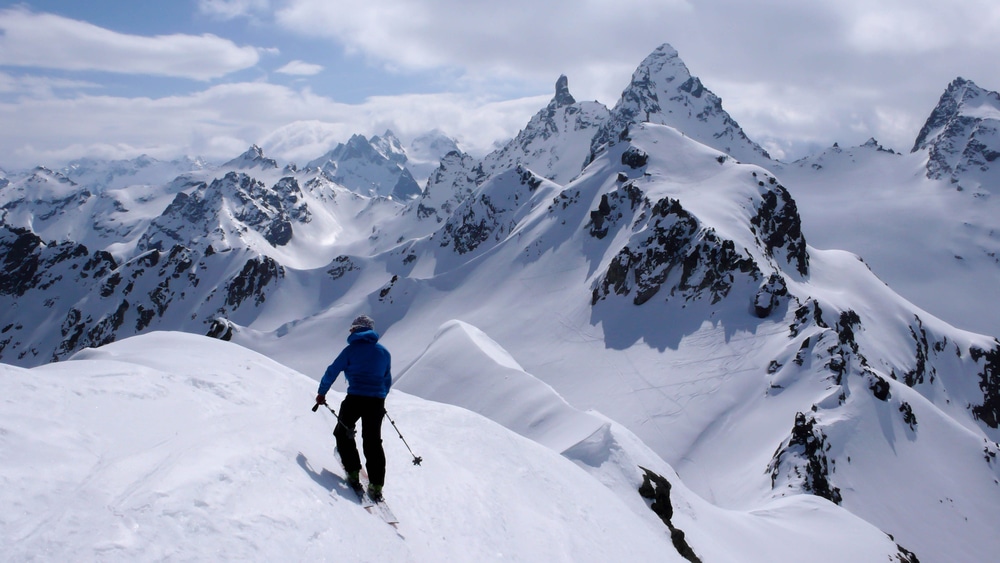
(364, 322)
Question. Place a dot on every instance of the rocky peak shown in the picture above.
(663, 91)
(373, 167)
(871, 143)
(962, 135)
(554, 142)
(563, 97)
(388, 145)
(252, 158)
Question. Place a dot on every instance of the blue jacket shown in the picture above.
(366, 365)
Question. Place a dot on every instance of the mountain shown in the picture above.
(556, 140)
(924, 221)
(373, 166)
(663, 91)
(962, 137)
(102, 175)
(84, 269)
(553, 145)
(253, 158)
(662, 305)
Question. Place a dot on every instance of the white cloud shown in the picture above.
(232, 9)
(49, 41)
(908, 26)
(300, 68)
(222, 121)
(522, 41)
(41, 86)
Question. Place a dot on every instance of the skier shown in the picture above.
(366, 365)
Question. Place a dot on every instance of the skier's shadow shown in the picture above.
(327, 479)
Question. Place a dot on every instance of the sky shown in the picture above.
(115, 79)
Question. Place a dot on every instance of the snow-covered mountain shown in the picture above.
(626, 287)
(373, 166)
(927, 222)
(663, 91)
(962, 137)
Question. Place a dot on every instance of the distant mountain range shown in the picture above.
(649, 262)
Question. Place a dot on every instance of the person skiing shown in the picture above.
(367, 366)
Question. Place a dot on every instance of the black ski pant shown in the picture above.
(370, 411)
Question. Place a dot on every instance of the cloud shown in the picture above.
(49, 41)
(232, 9)
(300, 68)
(41, 86)
(522, 41)
(220, 122)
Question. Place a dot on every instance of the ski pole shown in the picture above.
(335, 415)
(416, 459)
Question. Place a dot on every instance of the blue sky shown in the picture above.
(116, 79)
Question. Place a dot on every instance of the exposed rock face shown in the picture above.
(455, 179)
(656, 488)
(779, 226)
(672, 239)
(801, 461)
(989, 383)
(198, 216)
(490, 213)
(563, 97)
(89, 300)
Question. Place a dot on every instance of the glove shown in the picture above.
(320, 399)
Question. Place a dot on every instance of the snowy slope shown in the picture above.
(135, 451)
(935, 245)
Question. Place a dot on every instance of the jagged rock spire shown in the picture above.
(563, 97)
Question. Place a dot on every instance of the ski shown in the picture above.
(380, 508)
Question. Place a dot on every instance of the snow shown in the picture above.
(882, 207)
(139, 452)
(174, 446)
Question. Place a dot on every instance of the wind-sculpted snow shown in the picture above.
(497, 387)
